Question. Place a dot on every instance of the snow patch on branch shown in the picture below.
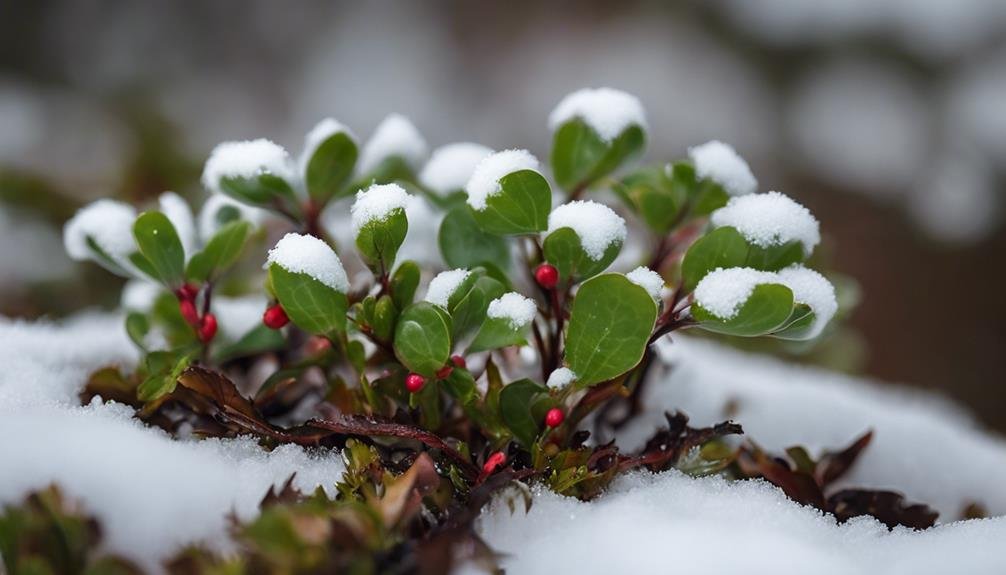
(597, 225)
(246, 159)
(607, 110)
(443, 285)
(396, 135)
(376, 204)
(771, 219)
(451, 166)
(560, 378)
(298, 253)
(485, 180)
(720, 163)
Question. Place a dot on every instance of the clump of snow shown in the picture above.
(394, 136)
(560, 378)
(209, 221)
(608, 111)
(109, 224)
(722, 292)
(722, 164)
(376, 204)
(180, 215)
(518, 310)
(451, 166)
(647, 279)
(484, 182)
(771, 219)
(811, 288)
(443, 285)
(597, 225)
(246, 159)
(139, 295)
(301, 253)
(322, 131)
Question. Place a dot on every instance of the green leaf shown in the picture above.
(385, 315)
(158, 242)
(404, 282)
(264, 190)
(461, 385)
(516, 408)
(379, 240)
(654, 197)
(766, 310)
(311, 305)
(330, 167)
(580, 156)
(610, 323)
(496, 333)
(220, 252)
(259, 339)
(721, 248)
(423, 338)
(165, 314)
(464, 244)
(163, 367)
(798, 326)
(137, 327)
(775, 258)
(471, 301)
(564, 250)
(521, 206)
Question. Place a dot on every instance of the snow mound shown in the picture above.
(722, 164)
(811, 288)
(722, 292)
(376, 203)
(109, 223)
(298, 253)
(451, 166)
(560, 378)
(396, 135)
(321, 131)
(647, 279)
(179, 213)
(442, 286)
(246, 159)
(669, 522)
(209, 221)
(771, 219)
(485, 180)
(597, 225)
(608, 111)
(518, 310)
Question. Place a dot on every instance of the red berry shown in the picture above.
(492, 462)
(187, 292)
(546, 275)
(414, 382)
(554, 417)
(459, 361)
(208, 328)
(445, 371)
(188, 309)
(274, 317)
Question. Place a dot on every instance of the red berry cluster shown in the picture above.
(205, 325)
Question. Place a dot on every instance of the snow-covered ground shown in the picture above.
(143, 485)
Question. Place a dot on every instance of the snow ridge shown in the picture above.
(518, 310)
(298, 253)
(484, 182)
(771, 219)
(443, 285)
(246, 159)
(396, 135)
(607, 110)
(720, 163)
(376, 204)
(597, 225)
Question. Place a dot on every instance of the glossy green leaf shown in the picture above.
(775, 258)
(580, 156)
(766, 310)
(163, 369)
(461, 385)
(496, 333)
(799, 325)
(564, 250)
(311, 305)
(521, 207)
(404, 282)
(610, 323)
(265, 190)
(423, 338)
(220, 252)
(378, 240)
(471, 301)
(652, 195)
(464, 244)
(137, 327)
(385, 315)
(330, 167)
(516, 402)
(158, 242)
(721, 248)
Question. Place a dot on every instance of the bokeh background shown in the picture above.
(886, 117)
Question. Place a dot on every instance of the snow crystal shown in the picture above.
(771, 219)
(518, 310)
(597, 225)
(720, 163)
(811, 288)
(246, 159)
(606, 110)
(484, 182)
(180, 214)
(560, 378)
(139, 295)
(297, 253)
(109, 223)
(376, 204)
(394, 136)
(209, 223)
(722, 292)
(322, 131)
(443, 285)
(451, 166)
(647, 279)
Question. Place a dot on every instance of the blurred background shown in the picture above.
(887, 118)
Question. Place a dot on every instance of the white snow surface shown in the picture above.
(246, 159)
(321, 131)
(207, 220)
(770, 219)
(517, 309)
(647, 279)
(607, 110)
(560, 378)
(811, 288)
(442, 286)
(109, 223)
(376, 204)
(722, 292)
(722, 164)
(485, 180)
(396, 135)
(179, 213)
(451, 166)
(597, 225)
(300, 253)
(139, 295)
